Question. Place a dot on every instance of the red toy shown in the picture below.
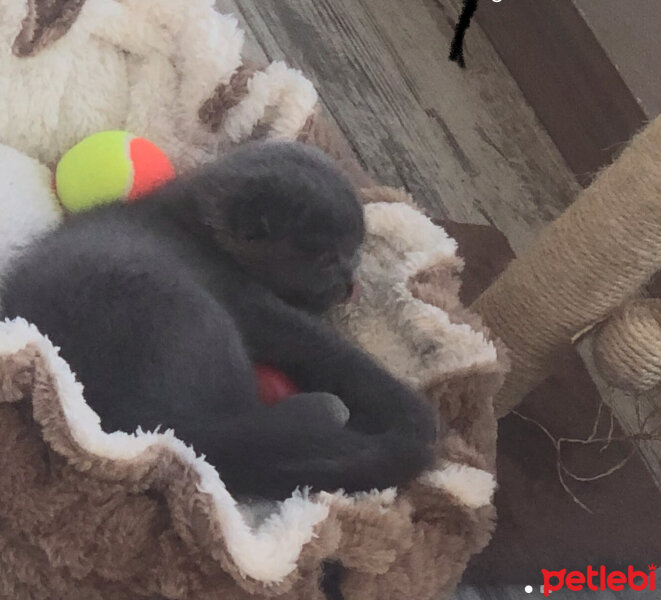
(274, 385)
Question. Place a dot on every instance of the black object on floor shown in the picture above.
(457, 46)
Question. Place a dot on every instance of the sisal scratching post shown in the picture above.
(595, 256)
(627, 348)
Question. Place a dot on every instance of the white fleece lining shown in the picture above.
(470, 486)
(422, 244)
(402, 242)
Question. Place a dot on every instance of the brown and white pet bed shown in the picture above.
(85, 514)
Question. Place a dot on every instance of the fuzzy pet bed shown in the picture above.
(90, 515)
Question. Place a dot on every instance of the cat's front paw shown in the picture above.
(320, 407)
(389, 405)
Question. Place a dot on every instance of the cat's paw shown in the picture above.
(320, 407)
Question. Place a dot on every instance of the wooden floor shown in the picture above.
(465, 143)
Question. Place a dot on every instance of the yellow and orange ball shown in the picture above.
(107, 166)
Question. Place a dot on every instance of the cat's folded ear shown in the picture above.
(232, 208)
(260, 219)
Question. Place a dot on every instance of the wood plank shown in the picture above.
(262, 48)
(629, 34)
(464, 143)
(567, 78)
(483, 115)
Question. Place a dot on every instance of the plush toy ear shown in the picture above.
(45, 22)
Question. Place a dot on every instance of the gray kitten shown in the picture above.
(163, 306)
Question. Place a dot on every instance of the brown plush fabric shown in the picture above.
(226, 96)
(45, 22)
(539, 524)
(76, 525)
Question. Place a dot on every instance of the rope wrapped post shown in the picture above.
(583, 266)
(627, 347)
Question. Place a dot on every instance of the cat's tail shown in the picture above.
(271, 452)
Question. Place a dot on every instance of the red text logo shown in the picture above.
(595, 580)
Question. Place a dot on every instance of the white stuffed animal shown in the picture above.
(70, 68)
(28, 207)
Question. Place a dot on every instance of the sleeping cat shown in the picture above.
(163, 306)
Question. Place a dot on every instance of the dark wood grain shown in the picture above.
(567, 78)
